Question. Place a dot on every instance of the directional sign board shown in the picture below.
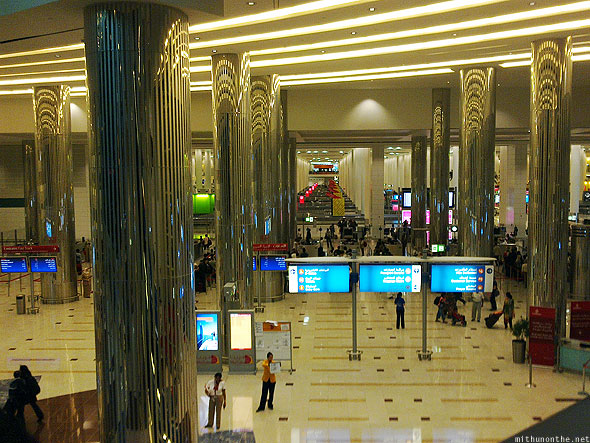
(390, 278)
(319, 278)
(462, 278)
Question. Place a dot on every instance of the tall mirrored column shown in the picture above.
(285, 186)
(419, 148)
(55, 193)
(549, 166)
(440, 144)
(30, 192)
(292, 190)
(376, 207)
(137, 61)
(232, 132)
(265, 144)
(476, 162)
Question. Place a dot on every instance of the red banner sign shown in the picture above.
(22, 249)
(580, 320)
(542, 335)
(270, 247)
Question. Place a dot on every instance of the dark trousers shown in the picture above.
(493, 303)
(507, 321)
(37, 409)
(400, 318)
(268, 389)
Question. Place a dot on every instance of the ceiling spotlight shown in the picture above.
(397, 148)
(454, 34)
(57, 56)
(390, 147)
(251, 3)
(298, 152)
(371, 9)
(197, 38)
(353, 32)
(315, 152)
(322, 51)
(324, 152)
(214, 51)
(532, 4)
(341, 152)
(309, 152)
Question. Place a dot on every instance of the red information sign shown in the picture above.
(270, 247)
(542, 335)
(580, 320)
(22, 249)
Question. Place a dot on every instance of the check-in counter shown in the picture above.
(573, 355)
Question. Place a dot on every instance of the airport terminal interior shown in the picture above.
(376, 212)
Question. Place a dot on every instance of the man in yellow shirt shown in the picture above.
(269, 382)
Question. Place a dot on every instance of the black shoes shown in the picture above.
(259, 409)
(270, 407)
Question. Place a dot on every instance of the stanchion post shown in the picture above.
(354, 354)
(259, 307)
(530, 384)
(424, 354)
(583, 391)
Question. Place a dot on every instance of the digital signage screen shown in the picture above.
(240, 326)
(390, 278)
(319, 278)
(207, 331)
(462, 278)
(273, 263)
(43, 264)
(406, 198)
(13, 265)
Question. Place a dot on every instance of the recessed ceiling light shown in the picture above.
(57, 56)
(197, 38)
(397, 148)
(371, 9)
(324, 152)
(353, 32)
(315, 152)
(309, 152)
(298, 152)
(341, 152)
(251, 3)
(454, 34)
(532, 4)
(214, 51)
(322, 51)
(390, 147)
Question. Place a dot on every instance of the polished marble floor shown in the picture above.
(470, 391)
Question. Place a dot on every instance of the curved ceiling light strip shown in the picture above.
(277, 14)
(52, 50)
(388, 75)
(457, 41)
(386, 17)
(452, 27)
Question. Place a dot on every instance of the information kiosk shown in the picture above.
(242, 349)
(208, 341)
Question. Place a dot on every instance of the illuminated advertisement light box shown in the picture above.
(43, 264)
(240, 326)
(390, 278)
(11, 265)
(462, 278)
(207, 331)
(273, 263)
(319, 278)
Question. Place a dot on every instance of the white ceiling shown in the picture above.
(64, 17)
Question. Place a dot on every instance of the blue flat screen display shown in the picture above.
(319, 278)
(207, 331)
(390, 278)
(13, 264)
(272, 263)
(43, 264)
(462, 278)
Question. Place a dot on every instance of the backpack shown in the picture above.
(33, 385)
(436, 300)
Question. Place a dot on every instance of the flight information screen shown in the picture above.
(319, 278)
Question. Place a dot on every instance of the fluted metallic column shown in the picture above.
(286, 201)
(440, 144)
(265, 176)
(292, 191)
(549, 166)
(476, 162)
(580, 262)
(137, 62)
(232, 132)
(30, 192)
(55, 193)
(419, 149)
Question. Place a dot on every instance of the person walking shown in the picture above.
(440, 314)
(86, 282)
(508, 310)
(215, 390)
(493, 296)
(17, 396)
(476, 306)
(269, 382)
(329, 244)
(32, 389)
(400, 311)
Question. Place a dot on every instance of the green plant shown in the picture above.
(520, 330)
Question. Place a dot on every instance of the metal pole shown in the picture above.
(354, 354)
(424, 354)
(259, 307)
(583, 391)
(34, 309)
(530, 384)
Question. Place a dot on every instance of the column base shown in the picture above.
(60, 301)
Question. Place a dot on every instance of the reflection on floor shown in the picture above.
(470, 391)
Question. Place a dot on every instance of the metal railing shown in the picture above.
(583, 391)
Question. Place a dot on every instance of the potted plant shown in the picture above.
(520, 330)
